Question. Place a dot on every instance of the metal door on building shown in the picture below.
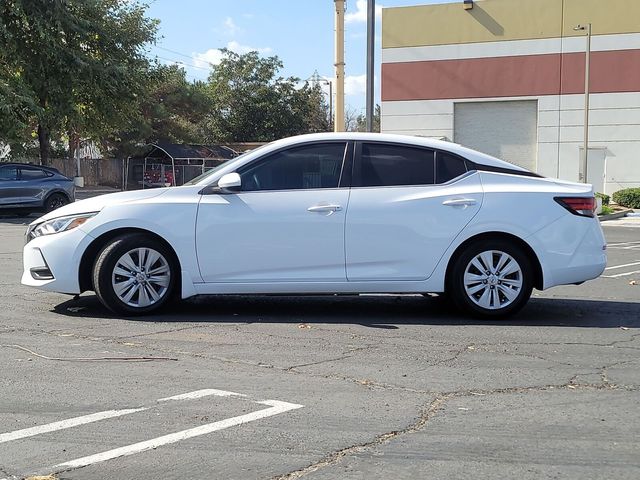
(505, 129)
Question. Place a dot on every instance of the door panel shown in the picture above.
(400, 233)
(31, 185)
(295, 235)
(286, 224)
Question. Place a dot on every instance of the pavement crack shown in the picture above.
(159, 332)
(334, 457)
(457, 354)
(328, 360)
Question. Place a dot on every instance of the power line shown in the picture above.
(183, 63)
(173, 51)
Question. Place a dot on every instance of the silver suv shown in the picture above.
(33, 187)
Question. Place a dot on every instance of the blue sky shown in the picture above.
(300, 32)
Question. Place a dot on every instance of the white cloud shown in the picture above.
(213, 56)
(236, 47)
(355, 84)
(230, 28)
(360, 15)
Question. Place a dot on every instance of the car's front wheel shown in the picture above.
(491, 278)
(135, 274)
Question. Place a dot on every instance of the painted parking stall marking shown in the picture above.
(624, 270)
(274, 407)
(96, 417)
(624, 245)
(64, 424)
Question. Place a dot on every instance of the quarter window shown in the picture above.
(391, 165)
(305, 167)
(448, 167)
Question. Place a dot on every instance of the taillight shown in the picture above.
(583, 206)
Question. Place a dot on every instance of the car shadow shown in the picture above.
(384, 312)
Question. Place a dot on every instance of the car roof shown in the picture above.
(18, 164)
(473, 155)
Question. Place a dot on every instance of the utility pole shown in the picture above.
(587, 75)
(371, 25)
(338, 124)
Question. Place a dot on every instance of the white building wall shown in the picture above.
(614, 125)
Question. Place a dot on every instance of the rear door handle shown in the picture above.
(459, 202)
(329, 209)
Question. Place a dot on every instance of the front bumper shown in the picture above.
(59, 254)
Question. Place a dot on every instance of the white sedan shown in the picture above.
(328, 213)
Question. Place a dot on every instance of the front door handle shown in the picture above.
(328, 209)
(459, 202)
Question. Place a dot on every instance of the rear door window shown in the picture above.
(32, 173)
(389, 165)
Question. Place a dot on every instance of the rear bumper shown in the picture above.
(572, 250)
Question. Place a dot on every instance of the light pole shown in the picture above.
(371, 25)
(587, 75)
(338, 124)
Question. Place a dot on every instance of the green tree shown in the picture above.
(171, 109)
(16, 108)
(81, 64)
(252, 103)
(361, 121)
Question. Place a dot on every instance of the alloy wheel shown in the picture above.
(493, 279)
(141, 277)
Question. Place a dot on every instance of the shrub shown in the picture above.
(605, 198)
(606, 210)
(629, 197)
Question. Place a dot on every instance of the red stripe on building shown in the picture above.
(528, 75)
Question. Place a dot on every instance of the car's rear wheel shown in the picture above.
(135, 274)
(491, 278)
(55, 201)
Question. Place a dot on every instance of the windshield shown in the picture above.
(208, 173)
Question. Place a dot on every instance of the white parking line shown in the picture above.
(202, 393)
(624, 245)
(621, 274)
(622, 266)
(276, 407)
(96, 417)
(61, 425)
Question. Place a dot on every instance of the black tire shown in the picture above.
(104, 276)
(55, 201)
(499, 305)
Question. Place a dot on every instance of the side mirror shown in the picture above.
(230, 182)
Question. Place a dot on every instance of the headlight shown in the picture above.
(57, 225)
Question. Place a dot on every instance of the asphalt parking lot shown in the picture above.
(323, 387)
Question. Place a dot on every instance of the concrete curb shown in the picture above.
(614, 216)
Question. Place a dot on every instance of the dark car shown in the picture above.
(34, 187)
